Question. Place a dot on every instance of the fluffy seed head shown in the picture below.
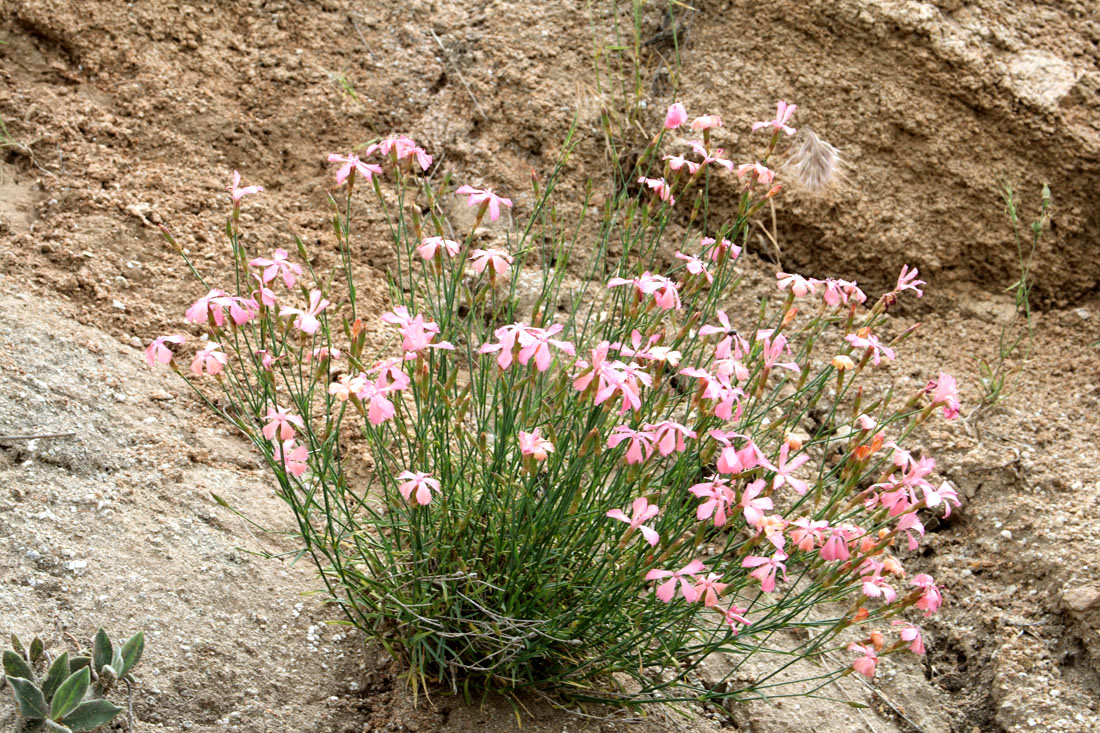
(814, 163)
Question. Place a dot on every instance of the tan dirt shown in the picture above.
(134, 114)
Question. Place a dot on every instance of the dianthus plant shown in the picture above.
(590, 484)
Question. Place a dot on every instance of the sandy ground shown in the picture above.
(133, 115)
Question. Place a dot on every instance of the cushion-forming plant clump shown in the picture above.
(68, 694)
(592, 486)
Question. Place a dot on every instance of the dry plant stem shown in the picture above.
(447, 55)
(39, 436)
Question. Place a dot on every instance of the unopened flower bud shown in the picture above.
(842, 362)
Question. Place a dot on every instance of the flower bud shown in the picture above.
(842, 362)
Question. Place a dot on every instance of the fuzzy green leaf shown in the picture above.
(70, 693)
(116, 661)
(37, 648)
(59, 670)
(18, 646)
(29, 698)
(77, 662)
(51, 725)
(131, 653)
(91, 715)
(101, 649)
(16, 666)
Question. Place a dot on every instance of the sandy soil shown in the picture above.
(132, 115)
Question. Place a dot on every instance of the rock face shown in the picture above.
(934, 105)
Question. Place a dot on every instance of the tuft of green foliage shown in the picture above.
(67, 694)
(998, 374)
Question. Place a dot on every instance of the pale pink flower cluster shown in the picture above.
(746, 481)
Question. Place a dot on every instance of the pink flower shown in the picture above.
(210, 359)
(533, 444)
(836, 547)
(588, 371)
(404, 147)
(293, 458)
(666, 590)
(766, 569)
(734, 616)
(266, 294)
(841, 291)
(641, 511)
(280, 420)
(709, 589)
(422, 483)
(430, 245)
(774, 348)
(266, 358)
(865, 665)
(241, 310)
(799, 285)
(158, 352)
(506, 336)
(695, 266)
(783, 112)
(725, 346)
(707, 158)
(910, 633)
(663, 290)
(533, 342)
(627, 380)
(753, 505)
(784, 469)
(307, 321)
(277, 265)
(206, 307)
(676, 116)
(773, 527)
(907, 280)
(536, 342)
(945, 392)
(669, 436)
(864, 339)
(734, 461)
(418, 334)
(390, 374)
(346, 386)
(641, 443)
(399, 316)
(676, 162)
(759, 172)
(706, 122)
(945, 495)
(908, 524)
(237, 193)
(930, 598)
(808, 533)
(322, 353)
(876, 586)
(379, 407)
(722, 247)
(661, 187)
(719, 498)
(497, 259)
(352, 163)
(648, 351)
(479, 196)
